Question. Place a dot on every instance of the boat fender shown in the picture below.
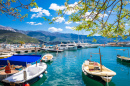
(40, 76)
(45, 72)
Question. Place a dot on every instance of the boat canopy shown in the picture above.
(20, 59)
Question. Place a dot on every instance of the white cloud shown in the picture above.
(34, 23)
(68, 22)
(70, 11)
(55, 7)
(78, 22)
(39, 9)
(68, 27)
(39, 12)
(53, 29)
(59, 19)
(126, 24)
(90, 17)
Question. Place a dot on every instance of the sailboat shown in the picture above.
(97, 71)
(123, 58)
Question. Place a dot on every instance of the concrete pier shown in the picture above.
(21, 50)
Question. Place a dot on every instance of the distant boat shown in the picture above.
(52, 49)
(72, 46)
(47, 58)
(97, 71)
(63, 46)
(92, 45)
(29, 75)
(123, 58)
(6, 54)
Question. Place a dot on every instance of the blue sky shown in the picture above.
(34, 21)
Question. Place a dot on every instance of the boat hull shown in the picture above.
(72, 48)
(124, 60)
(102, 79)
(79, 46)
(46, 60)
(31, 81)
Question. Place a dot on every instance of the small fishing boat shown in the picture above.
(97, 71)
(47, 58)
(6, 54)
(123, 58)
(28, 75)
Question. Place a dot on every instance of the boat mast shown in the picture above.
(100, 60)
(78, 36)
(128, 53)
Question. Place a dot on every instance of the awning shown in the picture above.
(20, 59)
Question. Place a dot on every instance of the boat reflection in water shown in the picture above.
(91, 82)
(40, 82)
(123, 63)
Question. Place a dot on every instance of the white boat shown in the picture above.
(29, 75)
(6, 54)
(72, 46)
(47, 58)
(97, 71)
(91, 45)
(63, 47)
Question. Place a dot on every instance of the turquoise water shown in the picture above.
(66, 68)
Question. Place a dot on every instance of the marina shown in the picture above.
(65, 43)
(66, 68)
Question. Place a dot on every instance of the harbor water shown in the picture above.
(66, 68)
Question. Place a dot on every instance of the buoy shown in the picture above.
(45, 72)
(41, 76)
(27, 84)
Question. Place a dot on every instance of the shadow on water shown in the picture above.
(49, 63)
(90, 82)
(40, 82)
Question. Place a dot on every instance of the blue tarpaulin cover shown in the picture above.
(20, 59)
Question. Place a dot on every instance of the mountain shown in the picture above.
(7, 28)
(56, 37)
(8, 36)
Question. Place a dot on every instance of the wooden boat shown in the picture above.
(3, 74)
(123, 58)
(97, 71)
(14, 69)
(47, 58)
(28, 75)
